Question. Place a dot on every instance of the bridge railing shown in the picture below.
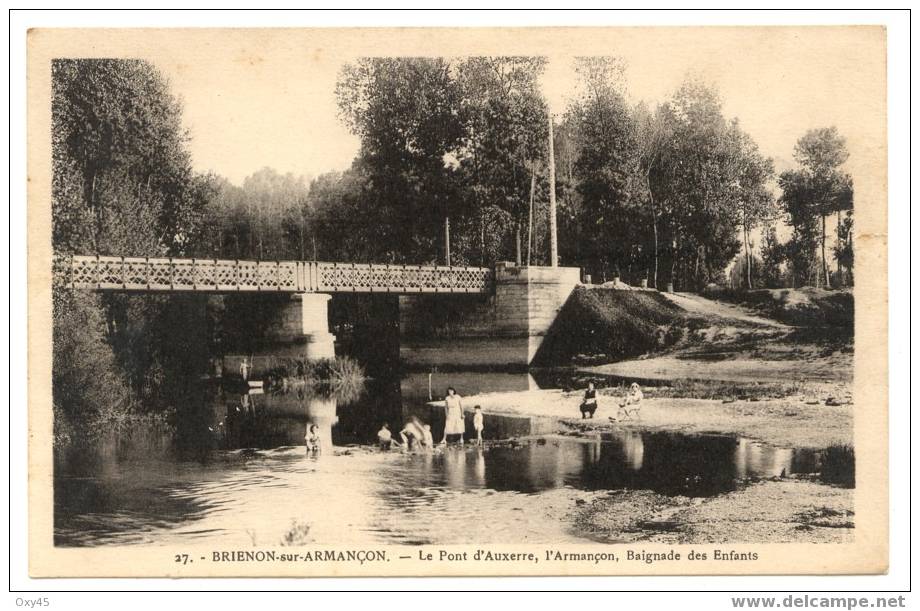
(226, 275)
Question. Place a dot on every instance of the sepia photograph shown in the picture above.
(457, 302)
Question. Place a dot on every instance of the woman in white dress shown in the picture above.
(454, 416)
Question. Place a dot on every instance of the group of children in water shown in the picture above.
(416, 435)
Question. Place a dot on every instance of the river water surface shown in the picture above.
(233, 471)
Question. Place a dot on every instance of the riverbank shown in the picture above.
(795, 509)
(781, 511)
(735, 370)
(799, 420)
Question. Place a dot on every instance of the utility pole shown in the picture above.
(553, 247)
(447, 241)
(533, 187)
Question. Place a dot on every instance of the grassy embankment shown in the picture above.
(707, 366)
(769, 365)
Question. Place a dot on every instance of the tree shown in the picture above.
(122, 184)
(651, 134)
(843, 251)
(796, 200)
(819, 188)
(752, 201)
(773, 254)
(698, 182)
(409, 115)
(507, 131)
(605, 163)
(122, 179)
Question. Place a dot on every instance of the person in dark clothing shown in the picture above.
(589, 403)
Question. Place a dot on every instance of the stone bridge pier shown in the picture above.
(302, 326)
(502, 329)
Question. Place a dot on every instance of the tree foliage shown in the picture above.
(605, 168)
(409, 115)
(122, 184)
(811, 193)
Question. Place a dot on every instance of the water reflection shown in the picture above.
(754, 459)
(254, 419)
(417, 386)
(229, 461)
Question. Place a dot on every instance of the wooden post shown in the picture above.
(553, 248)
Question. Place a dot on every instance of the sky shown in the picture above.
(268, 99)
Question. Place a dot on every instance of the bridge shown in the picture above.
(464, 316)
(228, 276)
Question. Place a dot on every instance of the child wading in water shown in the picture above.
(427, 439)
(453, 416)
(314, 443)
(385, 437)
(477, 424)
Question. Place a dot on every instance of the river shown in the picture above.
(233, 470)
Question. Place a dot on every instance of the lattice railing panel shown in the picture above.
(183, 276)
(205, 275)
(159, 274)
(164, 274)
(337, 277)
(225, 274)
(287, 276)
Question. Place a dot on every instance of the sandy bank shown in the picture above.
(787, 422)
(807, 512)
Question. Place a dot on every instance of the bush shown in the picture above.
(838, 465)
(337, 375)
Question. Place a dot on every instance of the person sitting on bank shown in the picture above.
(589, 403)
(631, 403)
(385, 437)
(477, 424)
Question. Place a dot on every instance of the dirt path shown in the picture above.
(830, 369)
(737, 345)
(696, 304)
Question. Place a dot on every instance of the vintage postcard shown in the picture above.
(458, 301)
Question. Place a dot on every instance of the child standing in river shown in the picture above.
(314, 443)
(385, 437)
(453, 412)
(427, 439)
(477, 424)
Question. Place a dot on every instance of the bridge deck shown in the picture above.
(219, 275)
